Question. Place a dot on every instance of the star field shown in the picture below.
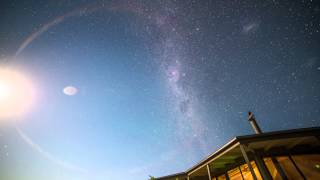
(138, 88)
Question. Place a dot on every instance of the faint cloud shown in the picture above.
(250, 28)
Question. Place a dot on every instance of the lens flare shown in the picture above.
(16, 94)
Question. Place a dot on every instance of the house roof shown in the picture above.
(172, 176)
(230, 153)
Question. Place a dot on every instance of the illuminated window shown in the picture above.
(246, 171)
(222, 177)
(256, 170)
(288, 168)
(309, 165)
(272, 169)
(235, 174)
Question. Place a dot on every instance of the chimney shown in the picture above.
(254, 123)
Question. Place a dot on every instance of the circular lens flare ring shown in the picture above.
(16, 94)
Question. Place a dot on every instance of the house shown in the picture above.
(288, 154)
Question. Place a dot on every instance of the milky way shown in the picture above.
(159, 84)
(188, 124)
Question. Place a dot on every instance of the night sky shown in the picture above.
(128, 89)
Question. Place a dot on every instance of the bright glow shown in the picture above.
(70, 90)
(5, 91)
(16, 94)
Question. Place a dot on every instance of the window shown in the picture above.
(256, 170)
(309, 165)
(288, 167)
(222, 177)
(246, 171)
(272, 169)
(235, 174)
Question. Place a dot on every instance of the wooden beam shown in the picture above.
(256, 155)
(209, 173)
(279, 168)
(241, 172)
(295, 143)
(214, 158)
(299, 149)
(246, 158)
(297, 168)
(262, 167)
